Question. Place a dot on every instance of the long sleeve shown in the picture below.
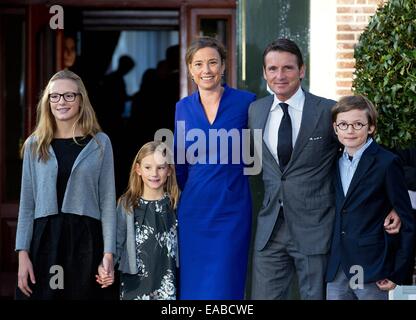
(399, 198)
(408, 157)
(254, 146)
(181, 165)
(121, 233)
(410, 175)
(107, 198)
(27, 203)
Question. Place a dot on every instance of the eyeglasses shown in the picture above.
(68, 96)
(356, 125)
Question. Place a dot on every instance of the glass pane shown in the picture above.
(14, 63)
(214, 28)
(279, 18)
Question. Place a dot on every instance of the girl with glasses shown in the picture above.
(66, 224)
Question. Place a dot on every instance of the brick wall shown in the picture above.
(352, 17)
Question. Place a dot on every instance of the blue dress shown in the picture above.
(214, 212)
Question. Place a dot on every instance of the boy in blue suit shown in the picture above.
(365, 262)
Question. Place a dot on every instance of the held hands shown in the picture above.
(392, 223)
(105, 275)
(25, 270)
(385, 284)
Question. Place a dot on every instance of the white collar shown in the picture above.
(295, 101)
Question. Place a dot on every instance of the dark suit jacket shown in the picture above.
(306, 185)
(378, 185)
(408, 157)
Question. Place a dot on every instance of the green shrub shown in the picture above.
(386, 71)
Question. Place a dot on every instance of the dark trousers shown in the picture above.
(275, 266)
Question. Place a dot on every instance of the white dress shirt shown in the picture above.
(271, 129)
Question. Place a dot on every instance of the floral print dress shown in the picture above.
(156, 253)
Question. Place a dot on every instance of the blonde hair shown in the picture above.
(136, 186)
(45, 121)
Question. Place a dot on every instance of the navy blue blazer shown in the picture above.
(359, 238)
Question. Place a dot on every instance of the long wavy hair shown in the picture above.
(45, 121)
(135, 187)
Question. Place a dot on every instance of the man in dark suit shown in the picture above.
(298, 151)
(408, 157)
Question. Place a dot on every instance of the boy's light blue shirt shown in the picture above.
(90, 190)
(347, 167)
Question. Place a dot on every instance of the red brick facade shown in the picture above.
(352, 17)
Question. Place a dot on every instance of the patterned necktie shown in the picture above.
(284, 146)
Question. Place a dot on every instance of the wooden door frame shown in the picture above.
(185, 35)
(35, 17)
(194, 16)
(8, 209)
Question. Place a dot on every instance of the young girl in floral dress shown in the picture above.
(146, 227)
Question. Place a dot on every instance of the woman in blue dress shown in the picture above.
(214, 210)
